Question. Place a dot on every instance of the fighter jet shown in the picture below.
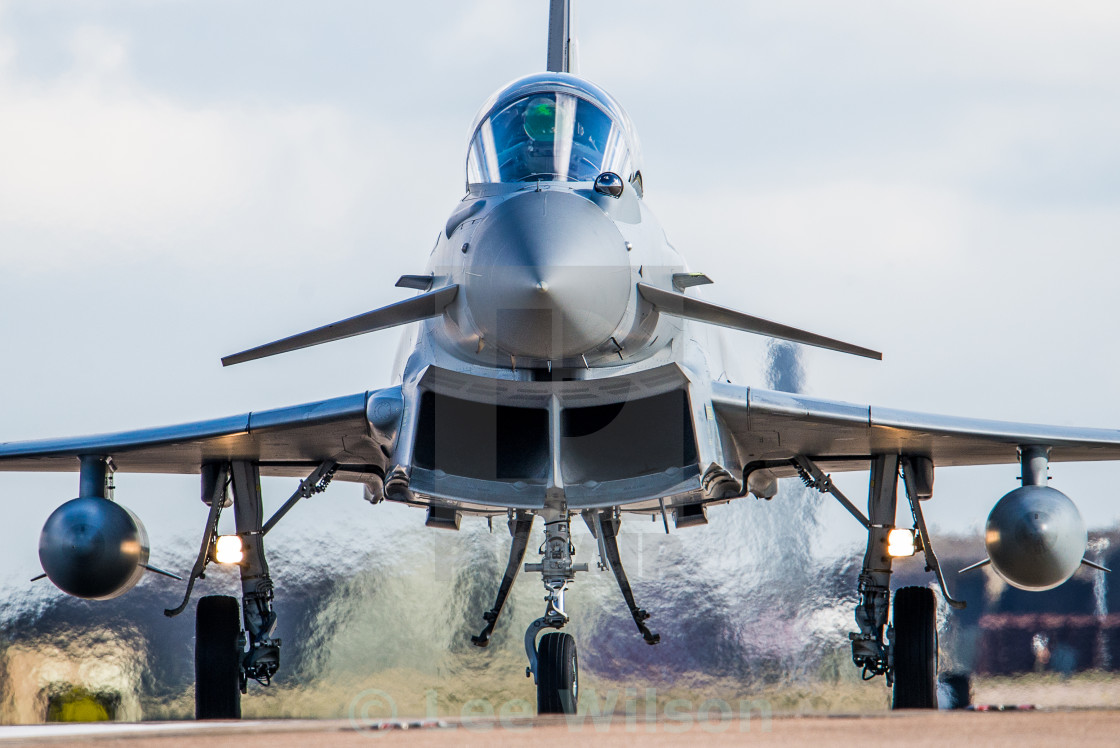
(556, 363)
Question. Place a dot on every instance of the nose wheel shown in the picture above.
(557, 674)
(552, 662)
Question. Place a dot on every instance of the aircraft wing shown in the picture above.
(286, 442)
(770, 428)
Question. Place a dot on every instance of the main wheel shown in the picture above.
(217, 658)
(557, 674)
(915, 649)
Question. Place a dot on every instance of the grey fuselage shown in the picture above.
(549, 379)
(548, 273)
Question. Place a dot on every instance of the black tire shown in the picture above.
(217, 659)
(915, 649)
(557, 674)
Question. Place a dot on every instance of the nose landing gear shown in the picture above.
(554, 664)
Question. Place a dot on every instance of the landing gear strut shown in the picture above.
(869, 650)
(554, 665)
(226, 657)
(604, 526)
(262, 659)
(220, 644)
(905, 652)
(908, 657)
(519, 526)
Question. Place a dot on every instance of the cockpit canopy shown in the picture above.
(552, 127)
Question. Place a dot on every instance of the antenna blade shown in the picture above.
(415, 309)
(559, 27)
(688, 307)
(1096, 566)
(976, 565)
(158, 570)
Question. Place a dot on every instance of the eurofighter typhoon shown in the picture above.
(550, 368)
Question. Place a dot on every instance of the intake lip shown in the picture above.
(548, 276)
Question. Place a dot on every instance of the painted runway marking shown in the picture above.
(108, 729)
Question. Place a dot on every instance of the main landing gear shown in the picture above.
(227, 657)
(905, 651)
(553, 663)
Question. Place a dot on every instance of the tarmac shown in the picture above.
(912, 729)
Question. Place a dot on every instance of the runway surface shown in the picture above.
(910, 729)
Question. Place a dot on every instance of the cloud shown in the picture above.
(839, 223)
(98, 167)
(766, 44)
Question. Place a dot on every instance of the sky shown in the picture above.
(182, 180)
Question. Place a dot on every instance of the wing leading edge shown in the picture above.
(770, 426)
(283, 441)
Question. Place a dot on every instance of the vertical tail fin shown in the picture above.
(559, 35)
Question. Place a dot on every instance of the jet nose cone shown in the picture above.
(549, 276)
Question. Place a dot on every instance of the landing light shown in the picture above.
(900, 543)
(228, 549)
